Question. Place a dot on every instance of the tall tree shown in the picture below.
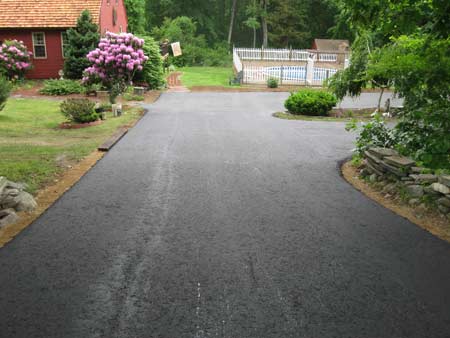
(136, 16)
(265, 30)
(80, 41)
(232, 16)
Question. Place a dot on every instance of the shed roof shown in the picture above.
(45, 13)
(331, 45)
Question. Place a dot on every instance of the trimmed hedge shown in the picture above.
(310, 102)
(62, 87)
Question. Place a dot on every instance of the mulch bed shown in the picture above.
(68, 125)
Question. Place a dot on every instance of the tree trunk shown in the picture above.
(379, 100)
(233, 14)
(254, 37)
(265, 30)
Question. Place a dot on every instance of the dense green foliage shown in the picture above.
(81, 40)
(136, 16)
(153, 73)
(408, 46)
(310, 102)
(372, 134)
(5, 88)
(62, 87)
(196, 50)
(79, 110)
(275, 23)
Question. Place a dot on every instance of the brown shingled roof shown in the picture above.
(331, 45)
(45, 13)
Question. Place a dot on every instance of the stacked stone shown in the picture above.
(13, 198)
(383, 164)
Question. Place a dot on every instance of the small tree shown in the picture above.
(152, 73)
(14, 59)
(81, 40)
(115, 62)
(5, 88)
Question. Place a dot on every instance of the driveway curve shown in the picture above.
(211, 218)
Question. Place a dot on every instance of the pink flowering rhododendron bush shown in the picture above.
(115, 61)
(14, 59)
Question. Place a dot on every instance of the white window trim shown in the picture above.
(62, 44)
(45, 46)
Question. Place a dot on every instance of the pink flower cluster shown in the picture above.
(14, 58)
(117, 58)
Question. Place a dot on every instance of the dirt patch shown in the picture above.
(152, 96)
(49, 195)
(429, 220)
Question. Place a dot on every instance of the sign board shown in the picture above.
(176, 49)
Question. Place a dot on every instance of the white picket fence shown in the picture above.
(286, 75)
(264, 54)
(247, 54)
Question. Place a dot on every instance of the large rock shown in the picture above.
(443, 189)
(424, 178)
(13, 196)
(371, 157)
(399, 172)
(445, 201)
(445, 180)
(400, 161)
(25, 202)
(8, 216)
(414, 191)
(382, 152)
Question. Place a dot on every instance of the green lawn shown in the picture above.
(32, 147)
(206, 76)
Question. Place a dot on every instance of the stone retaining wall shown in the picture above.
(400, 174)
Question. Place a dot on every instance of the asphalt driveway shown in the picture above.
(211, 218)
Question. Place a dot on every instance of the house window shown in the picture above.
(64, 44)
(39, 48)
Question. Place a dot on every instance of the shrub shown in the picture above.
(115, 61)
(62, 87)
(81, 40)
(5, 88)
(372, 134)
(14, 59)
(153, 72)
(272, 82)
(310, 102)
(79, 110)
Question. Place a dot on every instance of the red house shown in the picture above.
(41, 25)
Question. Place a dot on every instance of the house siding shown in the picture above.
(42, 68)
(106, 16)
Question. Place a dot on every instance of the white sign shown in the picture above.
(176, 49)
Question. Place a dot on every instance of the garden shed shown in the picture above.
(42, 24)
